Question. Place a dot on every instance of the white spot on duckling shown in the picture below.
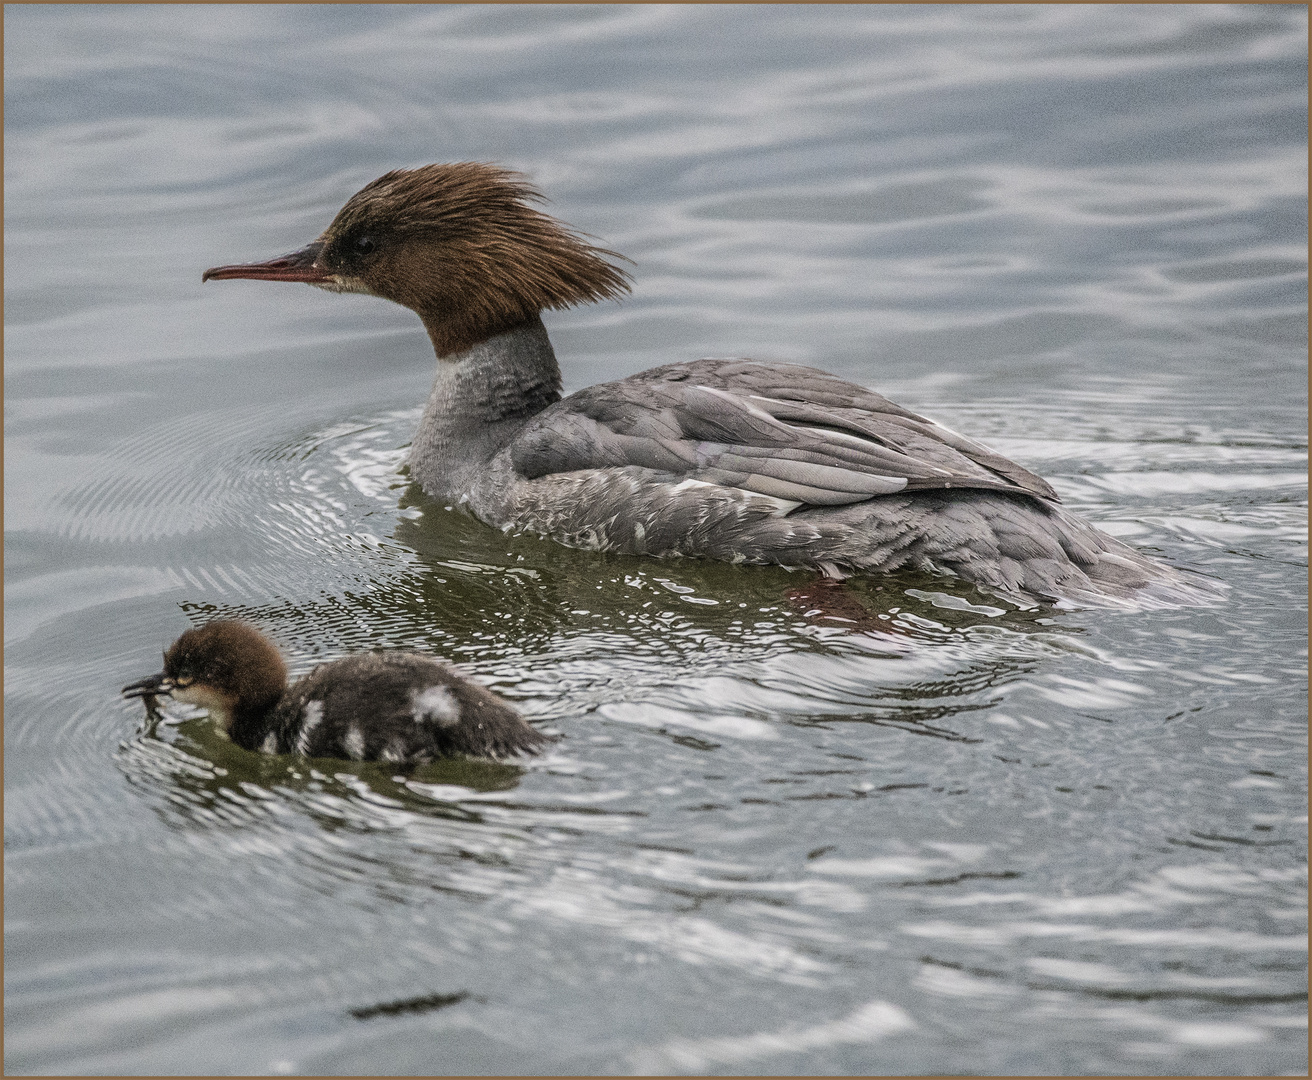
(270, 744)
(311, 717)
(435, 705)
(353, 744)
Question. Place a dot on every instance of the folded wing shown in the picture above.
(792, 433)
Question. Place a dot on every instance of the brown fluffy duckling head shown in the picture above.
(226, 666)
(459, 244)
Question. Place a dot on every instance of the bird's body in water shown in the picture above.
(730, 459)
(399, 707)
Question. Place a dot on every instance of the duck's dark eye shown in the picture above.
(363, 245)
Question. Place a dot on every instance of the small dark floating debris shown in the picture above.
(409, 1005)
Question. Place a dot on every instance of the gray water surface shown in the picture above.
(908, 828)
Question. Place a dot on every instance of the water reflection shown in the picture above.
(209, 775)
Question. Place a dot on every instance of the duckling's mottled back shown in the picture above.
(397, 707)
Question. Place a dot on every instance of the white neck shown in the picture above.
(480, 399)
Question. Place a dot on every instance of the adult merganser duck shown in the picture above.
(727, 458)
(399, 707)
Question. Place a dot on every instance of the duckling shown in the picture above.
(398, 707)
(729, 459)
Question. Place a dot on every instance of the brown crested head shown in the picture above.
(460, 244)
(227, 663)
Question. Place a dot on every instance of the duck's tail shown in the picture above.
(1042, 552)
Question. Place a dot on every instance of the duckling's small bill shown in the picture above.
(151, 686)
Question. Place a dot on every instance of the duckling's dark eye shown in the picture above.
(362, 245)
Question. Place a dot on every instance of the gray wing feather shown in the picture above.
(811, 474)
(916, 434)
(788, 432)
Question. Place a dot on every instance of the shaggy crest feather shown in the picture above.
(460, 245)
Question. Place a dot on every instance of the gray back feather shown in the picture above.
(789, 432)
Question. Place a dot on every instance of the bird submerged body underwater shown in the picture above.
(400, 707)
(732, 459)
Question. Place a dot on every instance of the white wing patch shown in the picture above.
(435, 705)
(393, 752)
(353, 744)
(311, 717)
